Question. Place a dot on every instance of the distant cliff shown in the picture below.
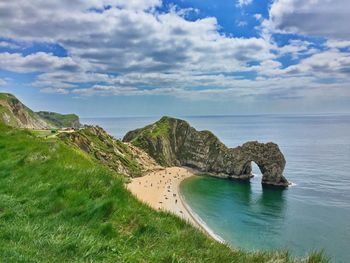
(173, 141)
(61, 120)
(14, 113)
(122, 157)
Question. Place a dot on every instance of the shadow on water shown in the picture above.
(258, 209)
(273, 201)
(240, 190)
(265, 200)
(245, 214)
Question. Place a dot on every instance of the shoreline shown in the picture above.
(161, 190)
(199, 222)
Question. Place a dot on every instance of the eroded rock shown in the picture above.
(173, 141)
(122, 157)
(14, 113)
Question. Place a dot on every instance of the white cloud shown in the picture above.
(131, 40)
(37, 62)
(332, 43)
(327, 64)
(3, 82)
(244, 2)
(131, 49)
(242, 23)
(279, 88)
(296, 48)
(9, 45)
(323, 18)
(258, 17)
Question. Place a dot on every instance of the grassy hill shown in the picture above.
(60, 120)
(57, 204)
(123, 158)
(16, 114)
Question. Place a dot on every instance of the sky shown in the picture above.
(106, 58)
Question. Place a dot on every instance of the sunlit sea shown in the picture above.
(313, 214)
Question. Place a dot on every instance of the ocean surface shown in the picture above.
(313, 214)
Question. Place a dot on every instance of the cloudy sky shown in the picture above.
(182, 57)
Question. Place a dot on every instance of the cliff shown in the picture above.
(58, 205)
(122, 157)
(16, 114)
(173, 141)
(61, 120)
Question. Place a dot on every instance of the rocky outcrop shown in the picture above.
(124, 158)
(14, 113)
(172, 141)
(61, 120)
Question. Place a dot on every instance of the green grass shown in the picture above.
(161, 128)
(41, 133)
(148, 137)
(8, 97)
(4, 111)
(59, 120)
(59, 205)
(11, 101)
(156, 130)
(118, 152)
(3, 96)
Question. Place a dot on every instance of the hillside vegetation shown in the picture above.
(14, 113)
(57, 204)
(61, 120)
(121, 157)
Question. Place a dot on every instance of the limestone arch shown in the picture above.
(269, 159)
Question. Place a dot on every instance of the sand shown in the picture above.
(160, 190)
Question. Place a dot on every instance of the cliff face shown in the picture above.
(16, 114)
(61, 120)
(122, 157)
(172, 141)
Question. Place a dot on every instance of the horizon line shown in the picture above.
(219, 115)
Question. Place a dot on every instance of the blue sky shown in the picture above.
(194, 57)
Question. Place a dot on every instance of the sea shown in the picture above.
(311, 215)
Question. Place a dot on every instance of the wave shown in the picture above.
(292, 184)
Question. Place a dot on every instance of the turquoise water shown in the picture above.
(313, 214)
(246, 216)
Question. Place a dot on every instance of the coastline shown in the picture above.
(161, 190)
(199, 222)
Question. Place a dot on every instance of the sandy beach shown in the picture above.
(160, 190)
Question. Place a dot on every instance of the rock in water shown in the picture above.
(173, 141)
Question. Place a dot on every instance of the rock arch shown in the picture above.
(173, 142)
(268, 158)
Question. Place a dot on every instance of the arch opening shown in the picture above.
(267, 157)
(256, 171)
